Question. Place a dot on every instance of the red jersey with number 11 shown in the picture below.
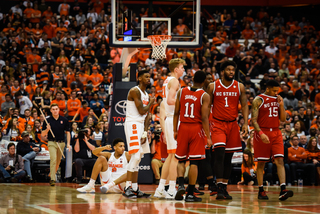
(225, 101)
(190, 105)
(268, 112)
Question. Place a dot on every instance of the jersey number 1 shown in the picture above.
(226, 98)
(187, 110)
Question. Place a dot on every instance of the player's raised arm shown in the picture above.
(244, 108)
(99, 151)
(205, 111)
(135, 96)
(176, 115)
(282, 111)
(173, 86)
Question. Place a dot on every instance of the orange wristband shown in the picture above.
(260, 132)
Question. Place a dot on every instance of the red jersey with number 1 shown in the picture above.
(268, 112)
(190, 105)
(225, 101)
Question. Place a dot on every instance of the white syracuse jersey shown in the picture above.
(132, 113)
(117, 167)
(169, 108)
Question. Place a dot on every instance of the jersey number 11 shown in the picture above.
(187, 110)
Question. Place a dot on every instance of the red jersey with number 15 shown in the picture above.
(268, 112)
(190, 105)
(225, 101)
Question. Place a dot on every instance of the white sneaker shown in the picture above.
(104, 189)
(86, 189)
(171, 195)
(160, 193)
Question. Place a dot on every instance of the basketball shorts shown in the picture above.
(263, 151)
(171, 142)
(133, 131)
(106, 177)
(225, 134)
(191, 142)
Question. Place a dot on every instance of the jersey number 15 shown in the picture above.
(273, 112)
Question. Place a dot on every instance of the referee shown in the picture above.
(59, 126)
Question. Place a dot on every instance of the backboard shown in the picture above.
(133, 21)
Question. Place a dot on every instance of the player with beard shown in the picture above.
(135, 128)
(225, 95)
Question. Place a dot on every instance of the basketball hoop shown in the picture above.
(159, 45)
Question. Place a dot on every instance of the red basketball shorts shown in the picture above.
(191, 142)
(263, 151)
(225, 134)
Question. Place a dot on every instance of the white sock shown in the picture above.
(111, 184)
(161, 184)
(172, 186)
(134, 186)
(92, 182)
(128, 184)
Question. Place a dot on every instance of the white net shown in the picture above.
(159, 45)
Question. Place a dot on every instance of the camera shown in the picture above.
(157, 134)
(82, 133)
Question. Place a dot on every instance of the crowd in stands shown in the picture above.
(62, 55)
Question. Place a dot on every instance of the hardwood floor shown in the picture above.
(63, 198)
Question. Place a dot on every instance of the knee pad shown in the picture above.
(133, 165)
(194, 162)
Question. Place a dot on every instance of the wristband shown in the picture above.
(144, 135)
(260, 132)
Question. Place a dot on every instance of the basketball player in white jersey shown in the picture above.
(170, 87)
(135, 128)
(112, 168)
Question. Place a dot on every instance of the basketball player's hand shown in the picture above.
(209, 142)
(280, 100)
(265, 138)
(152, 99)
(107, 147)
(244, 130)
(175, 135)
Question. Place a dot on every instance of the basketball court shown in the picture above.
(64, 198)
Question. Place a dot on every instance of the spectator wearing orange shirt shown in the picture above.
(159, 89)
(15, 88)
(82, 112)
(48, 29)
(247, 33)
(48, 14)
(64, 8)
(28, 11)
(73, 105)
(35, 15)
(31, 88)
(60, 103)
(3, 92)
(218, 39)
(96, 78)
(62, 59)
(62, 29)
(83, 77)
(98, 6)
(180, 27)
(34, 60)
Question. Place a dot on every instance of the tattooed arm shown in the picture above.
(255, 113)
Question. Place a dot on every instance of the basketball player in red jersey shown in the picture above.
(267, 108)
(225, 95)
(192, 107)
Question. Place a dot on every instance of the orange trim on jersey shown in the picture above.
(134, 144)
(170, 151)
(134, 132)
(134, 138)
(133, 151)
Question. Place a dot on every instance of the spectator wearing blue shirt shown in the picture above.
(96, 104)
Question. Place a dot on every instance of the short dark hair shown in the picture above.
(17, 94)
(199, 77)
(140, 73)
(295, 136)
(272, 83)
(53, 105)
(116, 141)
(10, 144)
(226, 64)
